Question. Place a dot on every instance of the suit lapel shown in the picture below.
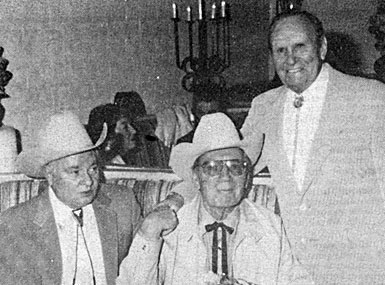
(190, 250)
(47, 235)
(326, 133)
(107, 225)
(248, 227)
(284, 179)
(320, 149)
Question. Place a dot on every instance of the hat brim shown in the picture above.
(183, 156)
(4, 95)
(32, 161)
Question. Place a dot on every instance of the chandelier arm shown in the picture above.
(176, 41)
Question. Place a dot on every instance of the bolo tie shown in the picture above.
(214, 227)
(78, 214)
(298, 102)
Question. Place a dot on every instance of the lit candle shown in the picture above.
(200, 10)
(188, 13)
(223, 9)
(174, 11)
(213, 7)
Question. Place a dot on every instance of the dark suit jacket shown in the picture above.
(336, 223)
(187, 137)
(30, 249)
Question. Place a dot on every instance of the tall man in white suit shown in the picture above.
(324, 146)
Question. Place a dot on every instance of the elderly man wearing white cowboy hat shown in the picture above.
(221, 238)
(78, 230)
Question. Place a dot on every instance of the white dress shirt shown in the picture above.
(308, 117)
(81, 248)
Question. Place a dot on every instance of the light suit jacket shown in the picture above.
(336, 224)
(261, 253)
(29, 242)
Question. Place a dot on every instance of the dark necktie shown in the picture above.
(214, 227)
(78, 214)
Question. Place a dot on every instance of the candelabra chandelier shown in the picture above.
(212, 46)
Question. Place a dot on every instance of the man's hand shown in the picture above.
(174, 200)
(159, 222)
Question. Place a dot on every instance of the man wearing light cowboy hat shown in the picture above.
(78, 230)
(222, 238)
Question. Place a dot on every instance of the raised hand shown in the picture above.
(159, 222)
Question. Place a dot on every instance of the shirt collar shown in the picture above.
(204, 218)
(63, 213)
(248, 221)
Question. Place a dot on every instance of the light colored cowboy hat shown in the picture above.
(214, 131)
(61, 136)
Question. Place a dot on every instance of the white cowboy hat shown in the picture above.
(215, 131)
(61, 136)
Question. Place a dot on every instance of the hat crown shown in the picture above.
(216, 131)
(64, 132)
(61, 136)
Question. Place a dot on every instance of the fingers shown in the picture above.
(172, 225)
(160, 222)
(173, 200)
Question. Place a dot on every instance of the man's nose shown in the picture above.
(225, 172)
(87, 178)
(290, 57)
(132, 130)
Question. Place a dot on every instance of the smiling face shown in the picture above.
(74, 179)
(297, 57)
(225, 190)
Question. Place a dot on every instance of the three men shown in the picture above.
(324, 146)
(75, 232)
(221, 236)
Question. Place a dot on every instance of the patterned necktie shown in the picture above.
(78, 214)
(214, 227)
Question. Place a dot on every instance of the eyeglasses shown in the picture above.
(213, 168)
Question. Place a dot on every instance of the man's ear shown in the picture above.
(324, 48)
(195, 179)
(48, 175)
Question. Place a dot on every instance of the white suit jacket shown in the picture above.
(336, 224)
(261, 252)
